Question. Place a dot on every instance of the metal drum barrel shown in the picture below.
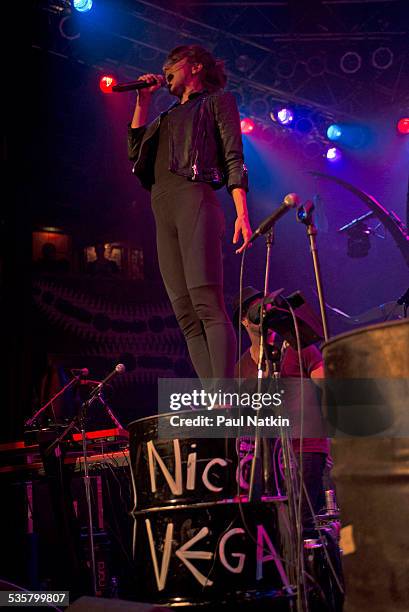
(194, 544)
(372, 472)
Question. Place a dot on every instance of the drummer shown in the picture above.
(315, 451)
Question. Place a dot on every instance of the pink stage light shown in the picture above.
(247, 125)
(403, 125)
(106, 83)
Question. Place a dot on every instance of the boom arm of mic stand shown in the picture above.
(35, 416)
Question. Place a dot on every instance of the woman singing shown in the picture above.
(182, 157)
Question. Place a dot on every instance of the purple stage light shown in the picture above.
(333, 154)
(285, 116)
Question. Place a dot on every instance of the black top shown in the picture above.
(215, 143)
(165, 180)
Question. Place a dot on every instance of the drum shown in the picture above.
(372, 472)
(177, 472)
(195, 542)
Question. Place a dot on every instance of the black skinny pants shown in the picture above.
(189, 230)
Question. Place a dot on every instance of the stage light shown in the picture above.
(334, 132)
(285, 116)
(359, 242)
(349, 135)
(333, 154)
(83, 6)
(106, 83)
(403, 125)
(247, 125)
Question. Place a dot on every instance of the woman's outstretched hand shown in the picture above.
(242, 226)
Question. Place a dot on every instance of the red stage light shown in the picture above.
(403, 125)
(106, 83)
(247, 125)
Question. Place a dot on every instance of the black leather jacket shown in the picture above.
(204, 143)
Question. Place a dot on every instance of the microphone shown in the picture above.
(135, 85)
(290, 201)
(119, 369)
(253, 313)
(80, 371)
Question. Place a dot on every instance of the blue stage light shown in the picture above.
(334, 132)
(285, 116)
(333, 154)
(83, 6)
(350, 135)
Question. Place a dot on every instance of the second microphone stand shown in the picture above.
(81, 420)
(305, 216)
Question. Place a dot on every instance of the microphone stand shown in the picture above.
(95, 394)
(257, 472)
(257, 441)
(305, 216)
(81, 418)
(35, 416)
(87, 483)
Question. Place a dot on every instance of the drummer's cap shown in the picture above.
(249, 294)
